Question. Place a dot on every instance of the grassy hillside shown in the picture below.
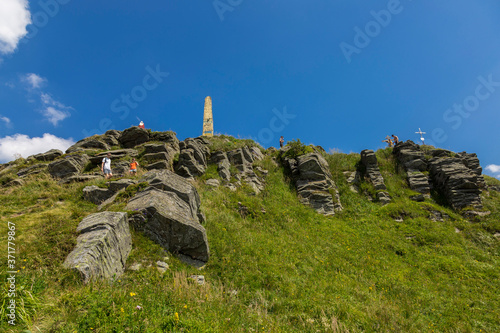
(280, 268)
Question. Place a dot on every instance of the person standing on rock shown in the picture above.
(396, 139)
(133, 167)
(282, 141)
(106, 166)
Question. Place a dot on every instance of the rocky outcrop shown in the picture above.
(115, 154)
(80, 178)
(223, 165)
(96, 194)
(120, 184)
(458, 184)
(314, 183)
(414, 162)
(48, 155)
(93, 142)
(32, 170)
(168, 181)
(168, 137)
(171, 222)
(242, 159)
(372, 173)
(472, 162)
(133, 136)
(68, 166)
(160, 165)
(102, 247)
(158, 152)
(193, 157)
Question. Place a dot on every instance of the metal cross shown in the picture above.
(421, 133)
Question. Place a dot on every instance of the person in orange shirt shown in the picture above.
(133, 167)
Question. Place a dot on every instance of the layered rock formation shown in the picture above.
(133, 136)
(170, 222)
(414, 162)
(458, 184)
(193, 157)
(372, 173)
(102, 247)
(242, 159)
(314, 183)
(68, 166)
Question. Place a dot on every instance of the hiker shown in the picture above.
(388, 141)
(141, 124)
(396, 139)
(133, 167)
(106, 166)
(282, 141)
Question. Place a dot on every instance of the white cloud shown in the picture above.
(6, 120)
(53, 110)
(14, 17)
(26, 146)
(493, 168)
(54, 115)
(34, 80)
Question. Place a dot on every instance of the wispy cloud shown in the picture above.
(6, 120)
(14, 18)
(35, 81)
(26, 146)
(54, 110)
(54, 116)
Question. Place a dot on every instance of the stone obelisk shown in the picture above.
(208, 120)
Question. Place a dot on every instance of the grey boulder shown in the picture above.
(102, 247)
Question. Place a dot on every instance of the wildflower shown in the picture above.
(138, 307)
(121, 309)
(176, 316)
(185, 306)
(132, 294)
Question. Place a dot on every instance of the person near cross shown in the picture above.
(396, 139)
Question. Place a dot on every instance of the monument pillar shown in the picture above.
(208, 121)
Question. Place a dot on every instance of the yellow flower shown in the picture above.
(121, 309)
(132, 294)
(176, 316)
(185, 306)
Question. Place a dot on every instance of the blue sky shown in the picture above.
(340, 74)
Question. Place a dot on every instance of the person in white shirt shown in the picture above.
(106, 166)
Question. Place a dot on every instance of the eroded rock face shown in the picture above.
(32, 170)
(456, 182)
(223, 165)
(68, 166)
(372, 172)
(79, 179)
(193, 157)
(48, 155)
(314, 183)
(472, 162)
(168, 181)
(133, 136)
(96, 194)
(102, 247)
(170, 222)
(115, 154)
(414, 162)
(92, 142)
(242, 159)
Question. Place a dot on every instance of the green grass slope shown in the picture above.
(279, 268)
